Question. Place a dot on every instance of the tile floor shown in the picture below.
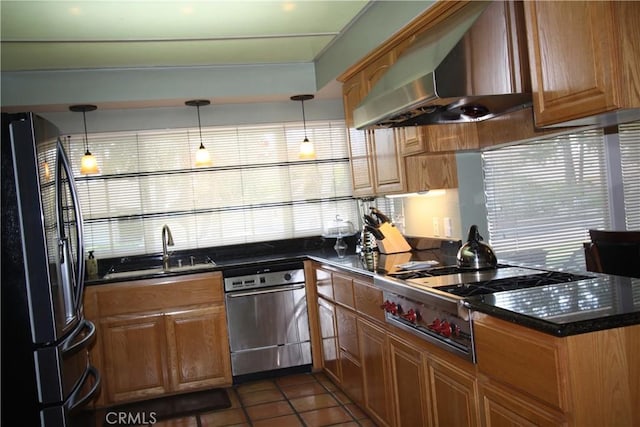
(310, 400)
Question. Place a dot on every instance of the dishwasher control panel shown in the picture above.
(263, 280)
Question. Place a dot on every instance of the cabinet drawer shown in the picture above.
(343, 290)
(368, 300)
(523, 358)
(140, 296)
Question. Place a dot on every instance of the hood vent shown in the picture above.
(472, 66)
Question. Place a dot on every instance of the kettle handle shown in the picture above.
(474, 234)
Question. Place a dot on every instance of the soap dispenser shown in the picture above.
(92, 267)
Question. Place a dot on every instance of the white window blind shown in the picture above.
(629, 134)
(544, 196)
(256, 190)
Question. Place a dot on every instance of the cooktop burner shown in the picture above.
(511, 283)
(436, 271)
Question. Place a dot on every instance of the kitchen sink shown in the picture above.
(154, 271)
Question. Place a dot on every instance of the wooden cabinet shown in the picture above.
(503, 407)
(431, 171)
(531, 378)
(134, 358)
(378, 395)
(453, 394)
(583, 57)
(409, 384)
(388, 171)
(159, 336)
(350, 361)
(329, 339)
(196, 357)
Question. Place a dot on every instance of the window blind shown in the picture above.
(256, 190)
(543, 197)
(629, 134)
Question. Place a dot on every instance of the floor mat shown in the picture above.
(176, 406)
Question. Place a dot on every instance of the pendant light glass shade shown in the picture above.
(203, 159)
(307, 150)
(88, 163)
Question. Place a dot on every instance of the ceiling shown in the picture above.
(91, 34)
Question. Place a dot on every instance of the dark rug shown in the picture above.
(177, 406)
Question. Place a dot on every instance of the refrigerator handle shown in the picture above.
(75, 400)
(79, 290)
(70, 346)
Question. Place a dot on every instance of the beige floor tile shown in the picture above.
(269, 410)
(300, 390)
(326, 416)
(225, 417)
(262, 396)
(255, 386)
(284, 421)
(290, 380)
(315, 401)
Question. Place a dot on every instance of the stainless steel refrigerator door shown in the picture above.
(54, 304)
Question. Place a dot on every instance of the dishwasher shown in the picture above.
(267, 319)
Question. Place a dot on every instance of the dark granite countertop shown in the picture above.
(602, 302)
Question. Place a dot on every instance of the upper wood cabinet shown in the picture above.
(431, 171)
(388, 170)
(584, 58)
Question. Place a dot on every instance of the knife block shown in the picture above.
(393, 242)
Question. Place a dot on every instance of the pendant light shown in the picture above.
(88, 164)
(202, 155)
(307, 151)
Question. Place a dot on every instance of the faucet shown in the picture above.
(167, 240)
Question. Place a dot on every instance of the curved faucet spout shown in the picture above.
(167, 240)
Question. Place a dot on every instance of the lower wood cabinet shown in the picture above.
(409, 384)
(193, 341)
(453, 394)
(157, 337)
(378, 392)
(329, 339)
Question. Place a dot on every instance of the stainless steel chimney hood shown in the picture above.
(470, 67)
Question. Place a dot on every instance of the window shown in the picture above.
(256, 190)
(630, 165)
(543, 197)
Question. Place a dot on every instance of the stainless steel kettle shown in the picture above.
(475, 254)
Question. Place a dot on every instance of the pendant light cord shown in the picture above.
(304, 121)
(86, 138)
(199, 126)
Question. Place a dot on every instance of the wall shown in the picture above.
(422, 212)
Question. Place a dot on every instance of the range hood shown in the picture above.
(470, 67)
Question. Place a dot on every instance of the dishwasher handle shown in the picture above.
(274, 289)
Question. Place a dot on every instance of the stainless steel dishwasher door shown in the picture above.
(268, 328)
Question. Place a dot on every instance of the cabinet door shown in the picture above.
(134, 358)
(378, 393)
(431, 171)
(329, 338)
(410, 390)
(453, 395)
(198, 347)
(388, 172)
(361, 163)
(505, 408)
(412, 139)
(573, 55)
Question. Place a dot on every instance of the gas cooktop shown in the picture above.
(464, 283)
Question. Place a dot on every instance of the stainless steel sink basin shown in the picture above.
(157, 271)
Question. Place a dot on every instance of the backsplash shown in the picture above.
(435, 214)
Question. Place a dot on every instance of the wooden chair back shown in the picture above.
(613, 252)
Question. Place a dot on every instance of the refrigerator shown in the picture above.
(47, 376)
